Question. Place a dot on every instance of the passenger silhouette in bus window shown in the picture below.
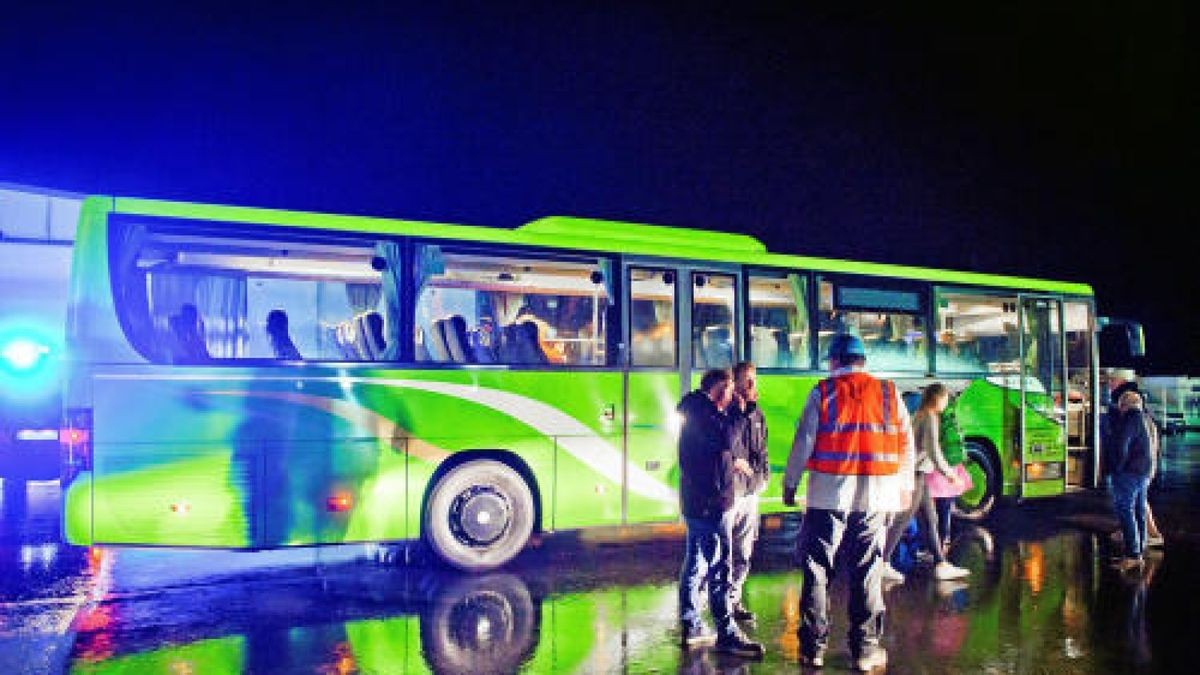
(187, 328)
(281, 340)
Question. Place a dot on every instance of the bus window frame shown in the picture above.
(810, 309)
(990, 291)
(119, 222)
(409, 291)
(628, 264)
(922, 288)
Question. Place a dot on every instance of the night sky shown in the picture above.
(1055, 142)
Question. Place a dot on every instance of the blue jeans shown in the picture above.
(1129, 503)
(706, 563)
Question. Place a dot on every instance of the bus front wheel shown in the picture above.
(975, 504)
(479, 515)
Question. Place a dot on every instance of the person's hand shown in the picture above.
(905, 499)
(742, 466)
(789, 496)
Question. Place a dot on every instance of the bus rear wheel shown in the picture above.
(479, 515)
(975, 504)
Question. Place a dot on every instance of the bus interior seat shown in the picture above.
(764, 346)
(717, 347)
(188, 345)
(456, 339)
(347, 339)
(282, 345)
(482, 351)
(525, 347)
(420, 351)
(372, 327)
(361, 344)
(437, 342)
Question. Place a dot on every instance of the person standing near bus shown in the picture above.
(934, 481)
(855, 441)
(1131, 463)
(706, 491)
(753, 472)
(1121, 380)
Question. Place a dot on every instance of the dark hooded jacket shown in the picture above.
(706, 487)
(750, 444)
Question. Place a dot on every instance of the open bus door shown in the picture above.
(1043, 398)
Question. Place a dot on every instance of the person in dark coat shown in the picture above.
(1131, 461)
(1121, 380)
(750, 479)
(706, 491)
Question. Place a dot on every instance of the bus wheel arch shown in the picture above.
(983, 463)
(480, 509)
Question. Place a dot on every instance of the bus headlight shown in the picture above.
(1043, 471)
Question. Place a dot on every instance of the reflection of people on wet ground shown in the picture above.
(281, 341)
(706, 494)
(929, 462)
(750, 450)
(1121, 380)
(1131, 460)
(1136, 626)
(859, 456)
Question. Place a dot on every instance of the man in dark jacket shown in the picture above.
(706, 490)
(750, 478)
(1121, 380)
(1131, 459)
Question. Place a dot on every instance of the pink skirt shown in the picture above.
(939, 486)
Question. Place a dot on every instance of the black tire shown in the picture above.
(482, 624)
(479, 515)
(976, 504)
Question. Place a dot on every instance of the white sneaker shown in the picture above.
(945, 570)
(892, 574)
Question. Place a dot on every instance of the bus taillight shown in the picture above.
(75, 439)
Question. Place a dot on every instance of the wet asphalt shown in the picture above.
(1041, 598)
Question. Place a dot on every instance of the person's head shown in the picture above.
(717, 384)
(1129, 401)
(745, 380)
(277, 322)
(845, 350)
(188, 315)
(935, 397)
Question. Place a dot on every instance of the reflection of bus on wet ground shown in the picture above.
(470, 386)
(36, 229)
(1034, 604)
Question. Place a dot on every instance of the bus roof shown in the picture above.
(583, 234)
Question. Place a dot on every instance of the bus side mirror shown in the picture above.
(1122, 334)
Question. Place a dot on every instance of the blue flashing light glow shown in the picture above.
(23, 354)
(30, 365)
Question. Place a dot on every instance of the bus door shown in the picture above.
(1082, 448)
(681, 321)
(1043, 411)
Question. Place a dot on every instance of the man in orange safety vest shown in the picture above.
(855, 442)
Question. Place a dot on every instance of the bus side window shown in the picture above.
(513, 308)
(652, 317)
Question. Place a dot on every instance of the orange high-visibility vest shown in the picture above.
(858, 433)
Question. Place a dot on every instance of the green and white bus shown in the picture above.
(472, 386)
